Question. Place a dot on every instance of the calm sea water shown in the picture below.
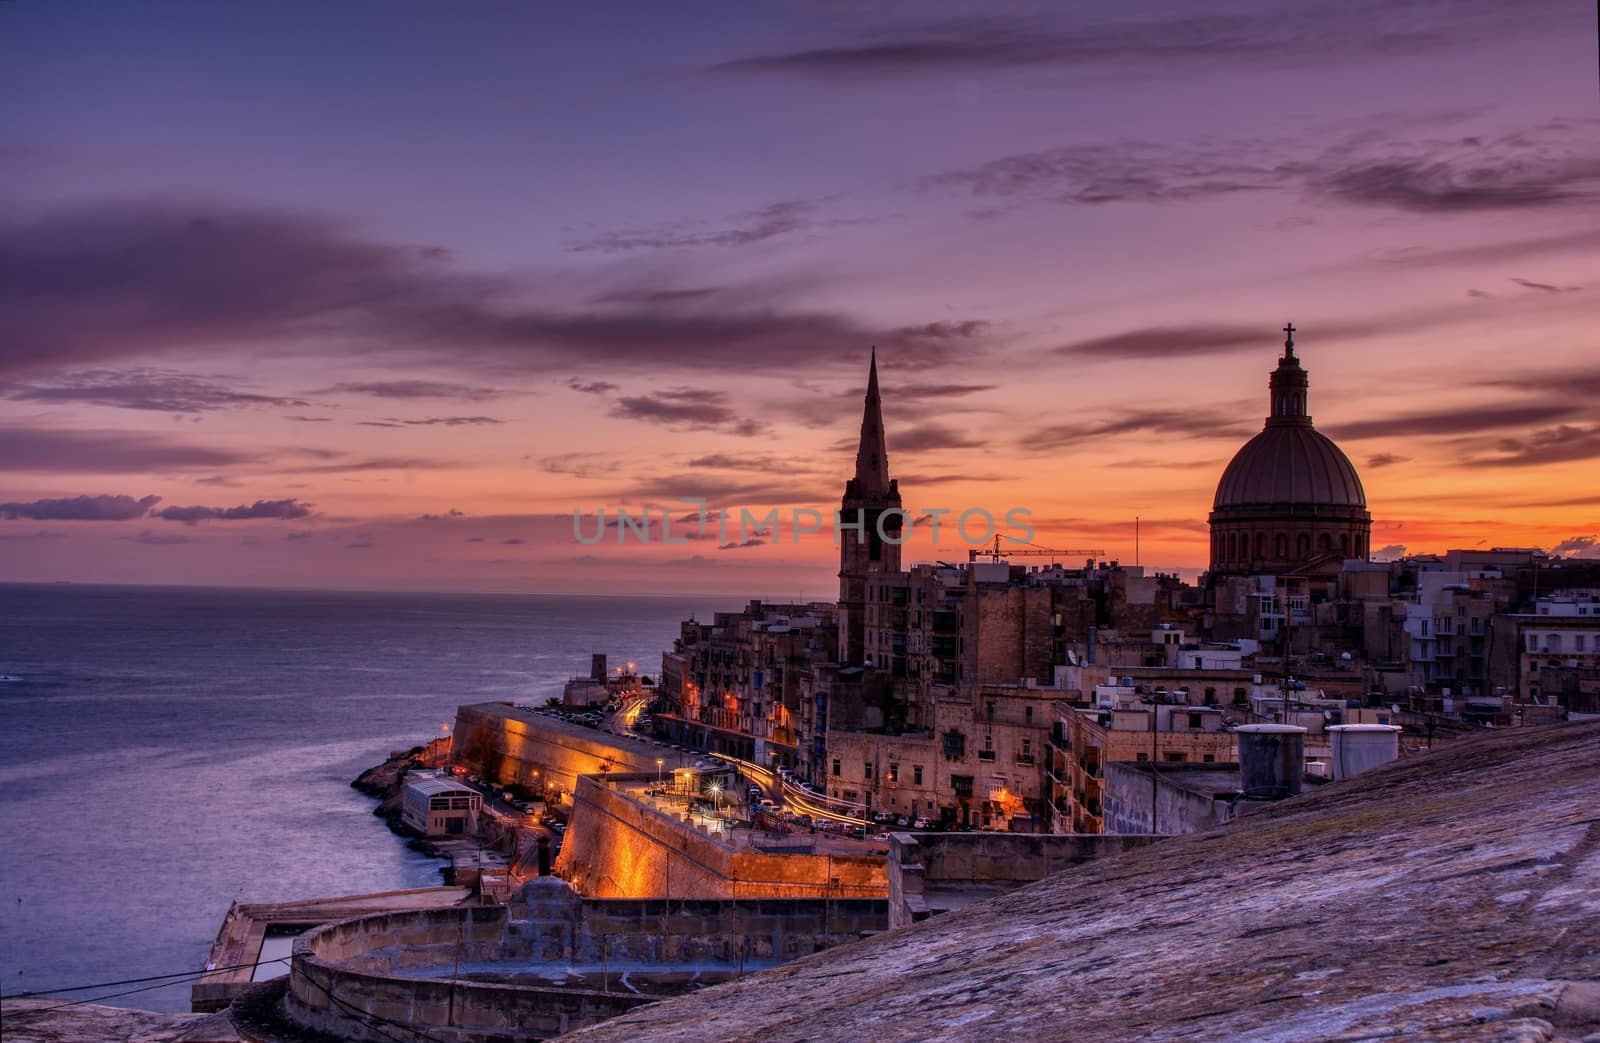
(170, 750)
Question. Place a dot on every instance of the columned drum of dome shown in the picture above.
(1289, 496)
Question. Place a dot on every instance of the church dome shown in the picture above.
(1290, 464)
(1289, 499)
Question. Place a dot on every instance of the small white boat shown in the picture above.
(10, 679)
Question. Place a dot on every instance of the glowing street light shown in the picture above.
(659, 763)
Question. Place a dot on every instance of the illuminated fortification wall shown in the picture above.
(616, 847)
(508, 745)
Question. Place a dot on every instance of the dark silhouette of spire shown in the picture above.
(872, 457)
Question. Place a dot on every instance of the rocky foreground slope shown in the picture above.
(1453, 896)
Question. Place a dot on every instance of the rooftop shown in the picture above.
(1451, 896)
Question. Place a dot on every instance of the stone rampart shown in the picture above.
(928, 872)
(507, 745)
(350, 980)
(361, 978)
(618, 847)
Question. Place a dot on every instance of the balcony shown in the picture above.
(1025, 758)
(986, 755)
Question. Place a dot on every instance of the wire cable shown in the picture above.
(31, 993)
(118, 995)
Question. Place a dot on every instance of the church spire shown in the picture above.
(872, 456)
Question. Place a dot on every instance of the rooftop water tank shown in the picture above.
(1362, 747)
(1271, 760)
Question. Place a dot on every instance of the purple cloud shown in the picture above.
(277, 509)
(82, 508)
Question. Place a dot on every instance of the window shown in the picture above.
(1533, 642)
(1141, 756)
(1175, 758)
(1027, 747)
(1577, 642)
(988, 743)
(836, 766)
(1027, 711)
(866, 770)
(1209, 758)
(1197, 720)
(894, 773)
(916, 774)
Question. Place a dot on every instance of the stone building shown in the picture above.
(736, 685)
(1559, 651)
(1290, 497)
(1084, 740)
(980, 764)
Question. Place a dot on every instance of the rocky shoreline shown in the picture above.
(386, 782)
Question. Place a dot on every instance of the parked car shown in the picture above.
(923, 823)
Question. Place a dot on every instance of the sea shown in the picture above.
(170, 750)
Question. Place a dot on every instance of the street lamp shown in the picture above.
(659, 763)
(716, 798)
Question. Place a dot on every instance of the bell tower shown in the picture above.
(869, 512)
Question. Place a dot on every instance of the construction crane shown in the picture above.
(995, 554)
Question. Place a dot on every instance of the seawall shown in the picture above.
(506, 744)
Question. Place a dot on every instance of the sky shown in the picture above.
(377, 295)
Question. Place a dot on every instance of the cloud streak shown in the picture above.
(283, 510)
(1543, 167)
(81, 508)
(157, 390)
(1178, 44)
(787, 217)
(687, 409)
(1191, 423)
(98, 451)
(140, 278)
(1466, 420)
